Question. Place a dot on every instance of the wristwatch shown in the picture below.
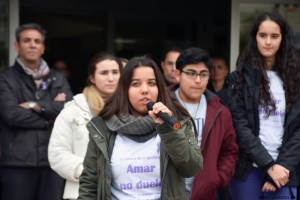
(31, 104)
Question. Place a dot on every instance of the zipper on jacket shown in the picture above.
(256, 115)
(96, 128)
(210, 128)
(108, 158)
(37, 95)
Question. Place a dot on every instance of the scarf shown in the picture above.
(38, 74)
(94, 99)
(139, 129)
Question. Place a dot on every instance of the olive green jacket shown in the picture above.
(180, 158)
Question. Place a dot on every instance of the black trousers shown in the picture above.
(224, 194)
(31, 183)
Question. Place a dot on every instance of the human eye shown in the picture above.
(135, 83)
(169, 63)
(262, 35)
(38, 41)
(275, 36)
(192, 74)
(116, 72)
(152, 83)
(204, 75)
(105, 72)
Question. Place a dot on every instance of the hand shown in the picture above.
(24, 105)
(60, 97)
(268, 187)
(279, 175)
(159, 107)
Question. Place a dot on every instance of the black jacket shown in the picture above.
(24, 134)
(223, 94)
(246, 122)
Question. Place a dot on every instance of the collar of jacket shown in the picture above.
(101, 135)
(210, 95)
(28, 79)
(214, 107)
(252, 75)
(81, 102)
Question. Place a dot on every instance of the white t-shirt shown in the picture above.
(135, 169)
(198, 112)
(272, 128)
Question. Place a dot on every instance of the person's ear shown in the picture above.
(43, 49)
(162, 64)
(92, 79)
(16, 46)
(177, 75)
(227, 71)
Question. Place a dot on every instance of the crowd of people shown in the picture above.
(237, 138)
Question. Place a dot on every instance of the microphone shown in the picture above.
(170, 121)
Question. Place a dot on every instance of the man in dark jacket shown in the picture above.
(168, 66)
(215, 132)
(31, 96)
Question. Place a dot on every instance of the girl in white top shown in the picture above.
(265, 111)
(69, 139)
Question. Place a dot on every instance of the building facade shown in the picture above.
(78, 29)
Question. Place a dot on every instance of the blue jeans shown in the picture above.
(251, 188)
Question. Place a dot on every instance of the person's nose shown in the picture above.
(197, 79)
(144, 88)
(110, 77)
(32, 44)
(268, 40)
(174, 66)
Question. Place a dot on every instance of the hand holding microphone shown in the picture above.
(160, 113)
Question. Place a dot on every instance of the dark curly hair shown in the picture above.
(286, 63)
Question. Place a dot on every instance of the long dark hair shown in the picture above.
(118, 104)
(286, 63)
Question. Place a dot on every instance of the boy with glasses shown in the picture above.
(215, 132)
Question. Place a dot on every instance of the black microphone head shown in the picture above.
(150, 105)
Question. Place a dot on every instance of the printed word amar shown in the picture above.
(140, 169)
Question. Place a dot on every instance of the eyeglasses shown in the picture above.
(204, 76)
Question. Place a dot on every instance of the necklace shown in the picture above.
(182, 102)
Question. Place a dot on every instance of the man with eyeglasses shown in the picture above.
(215, 132)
